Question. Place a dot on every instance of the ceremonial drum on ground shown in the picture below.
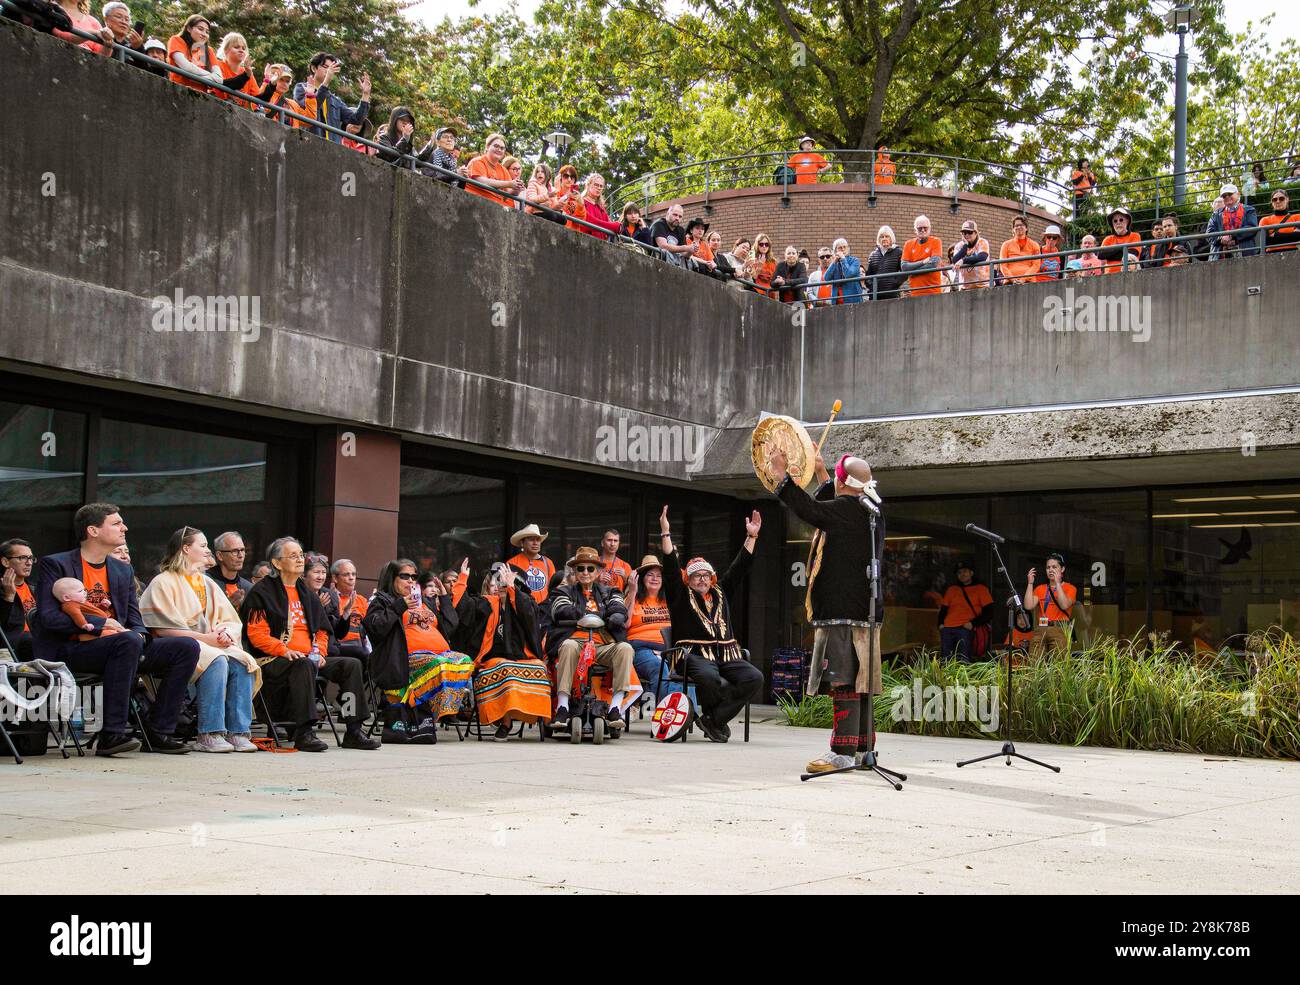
(788, 435)
(672, 716)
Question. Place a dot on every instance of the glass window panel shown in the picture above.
(1103, 536)
(42, 452)
(447, 516)
(575, 516)
(164, 478)
(1227, 562)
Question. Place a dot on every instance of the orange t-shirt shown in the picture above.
(884, 170)
(704, 253)
(1082, 183)
(358, 613)
(1048, 607)
(537, 573)
(959, 613)
(806, 166)
(176, 46)
(421, 627)
(250, 85)
(763, 274)
(1116, 267)
(24, 592)
(482, 167)
(299, 639)
(914, 250)
(1274, 219)
(648, 620)
(615, 574)
(96, 581)
(1020, 271)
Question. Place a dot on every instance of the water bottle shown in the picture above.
(315, 655)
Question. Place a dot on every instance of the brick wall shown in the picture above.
(817, 214)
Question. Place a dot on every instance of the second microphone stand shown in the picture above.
(1015, 609)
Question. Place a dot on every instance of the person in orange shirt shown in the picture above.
(807, 164)
(190, 50)
(352, 608)
(537, 569)
(702, 262)
(1113, 246)
(16, 599)
(883, 168)
(1278, 240)
(922, 257)
(963, 608)
(1019, 255)
(287, 630)
(761, 267)
(614, 571)
(649, 627)
(1050, 606)
(1083, 181)
(488, 169)
(279, 79)
(237, 71)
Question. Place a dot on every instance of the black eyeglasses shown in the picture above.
(234, 550)
(585, 567)
(21, 557)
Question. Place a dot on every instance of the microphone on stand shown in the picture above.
(872, 507)
(986, 534)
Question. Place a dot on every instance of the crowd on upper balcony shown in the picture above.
(893, 269)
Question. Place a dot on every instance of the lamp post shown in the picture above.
(560, 140)
(1181, 20)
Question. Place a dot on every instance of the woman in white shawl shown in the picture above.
(182, 601)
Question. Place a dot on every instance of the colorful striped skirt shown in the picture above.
(513, 690)
(439, 683)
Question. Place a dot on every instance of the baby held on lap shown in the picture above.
(71, 595)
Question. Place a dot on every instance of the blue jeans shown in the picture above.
(649, 665)
(225, 693)
(957, 641)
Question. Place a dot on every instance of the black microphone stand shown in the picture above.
(1015, 609)
(870, 761)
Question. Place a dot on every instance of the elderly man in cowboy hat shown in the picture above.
(568, 605)
(846, 645)
(700, 614)
(536, 567)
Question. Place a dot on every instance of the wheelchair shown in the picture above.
(587, 710)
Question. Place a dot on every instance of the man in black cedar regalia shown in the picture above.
(846, 647)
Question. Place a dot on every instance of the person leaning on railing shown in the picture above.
(1019, 258)
(539, 191)
(190, 50)
(921, 256)
(762, 265)
(702, 262)
(488, 169)
(847, 269)
(1050, 267)
(237, 71)
(817, 294)
(279, 78)
(318, 99)
(790, 276)
(1277, 240)
(592, 207)
(970, 258)
(78, 12)
(400, 137)
(117, 30)
(1226, 241)
(886, 262)
(446, 156)
(633, 226)
(1121, 239)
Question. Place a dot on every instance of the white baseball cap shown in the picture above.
(1052, 231)
(1228, 189)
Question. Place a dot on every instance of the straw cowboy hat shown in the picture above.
(649, 561)
(584, 555)
(529, 531)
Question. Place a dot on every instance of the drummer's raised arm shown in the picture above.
(665, 539)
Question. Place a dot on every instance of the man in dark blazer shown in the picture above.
(122, 647)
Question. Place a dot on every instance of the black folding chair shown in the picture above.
(682, 676)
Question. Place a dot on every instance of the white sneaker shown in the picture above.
(241, 743)
(213, 742)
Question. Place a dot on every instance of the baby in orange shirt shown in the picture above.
(71, 595)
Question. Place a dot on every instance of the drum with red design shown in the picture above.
(672, 715)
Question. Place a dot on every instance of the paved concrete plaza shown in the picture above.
(640, 816)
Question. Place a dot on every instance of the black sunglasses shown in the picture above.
(585, 567)
(405, 574)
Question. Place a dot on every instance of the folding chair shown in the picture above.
(682, 677)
